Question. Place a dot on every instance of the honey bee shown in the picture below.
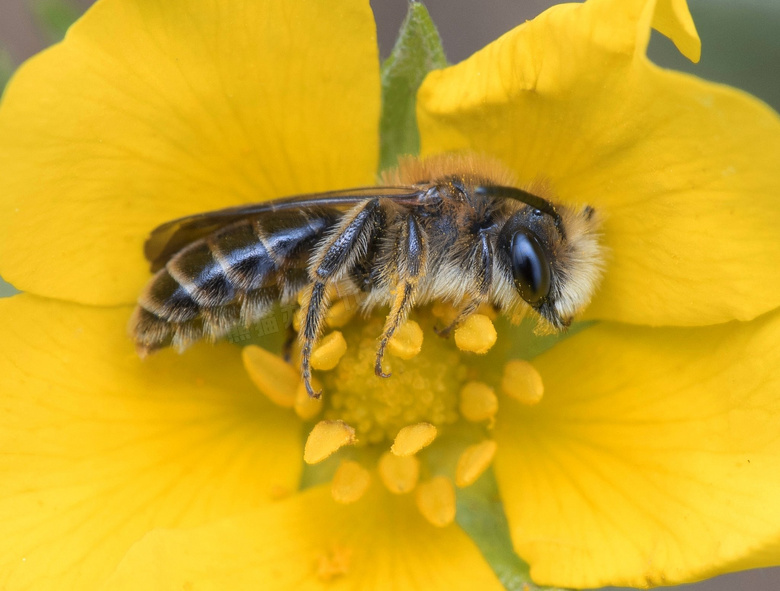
(454, 228)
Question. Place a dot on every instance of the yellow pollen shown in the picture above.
(423, 389)
(326, 438)
(522, 382)
(334, 564)
(305, 406)
(478, 402)
(476, 335)
(399, 474)
(474, 460)
(407, 340)
(413, 438)
(272, 375)
(350, 482)
(329, 351)
(436, 501)
(340, 313)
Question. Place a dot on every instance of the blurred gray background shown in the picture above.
(740, 47)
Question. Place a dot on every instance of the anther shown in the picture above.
(413, 438)
(274, 377)
(399, 474)
(476, 335)
(340, 313)
(436, 501)
(474, 460)
(478, 402)
(522, 382)
(305, 406)
(407, 340)
(350, 482)
(329, 351)
(326, 438)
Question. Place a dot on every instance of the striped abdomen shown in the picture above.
(228, 278)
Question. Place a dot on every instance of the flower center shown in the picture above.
(433, 406)
(421, 389)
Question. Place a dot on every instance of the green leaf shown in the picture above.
(6, 68)
(54, 17)
(417, 51)
(481, 515)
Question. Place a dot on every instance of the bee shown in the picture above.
(454, 228)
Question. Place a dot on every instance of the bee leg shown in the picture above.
(484, 281)
(336, 254)
(412, 254)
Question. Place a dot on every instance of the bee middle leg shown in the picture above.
(411, 258)
(484, 281)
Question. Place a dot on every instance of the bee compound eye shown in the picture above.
(530, 267)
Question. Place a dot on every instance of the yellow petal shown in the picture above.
(309, 543)
(683, 172)
(150, 111)
(97, 447)
(653, 458)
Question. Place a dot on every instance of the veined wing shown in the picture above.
(171, 237)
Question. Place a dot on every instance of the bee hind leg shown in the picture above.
(356, 230)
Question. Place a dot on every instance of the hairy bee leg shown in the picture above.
(484, 278)
(338, 253)
(410, 262)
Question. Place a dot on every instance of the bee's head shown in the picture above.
(554, 267)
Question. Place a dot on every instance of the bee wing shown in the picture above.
(169, 238)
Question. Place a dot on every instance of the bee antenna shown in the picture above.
(525, 197)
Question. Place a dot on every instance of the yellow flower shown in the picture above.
(653, 455)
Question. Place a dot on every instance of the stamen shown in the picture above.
(340, 313)
(326, 438)
(478, 402)
(329, 351)
(407, 340)
(413, 438)
(305, 406)
(522, 382)
(474, 460)
(272, 375)
(399, 474)
(477, 334)
(436, 501)
(350, 482)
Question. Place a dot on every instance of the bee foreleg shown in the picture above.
(411, 258)
(484, 281)
(331, 259)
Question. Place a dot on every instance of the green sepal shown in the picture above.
(480, 514)
(417, 51)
